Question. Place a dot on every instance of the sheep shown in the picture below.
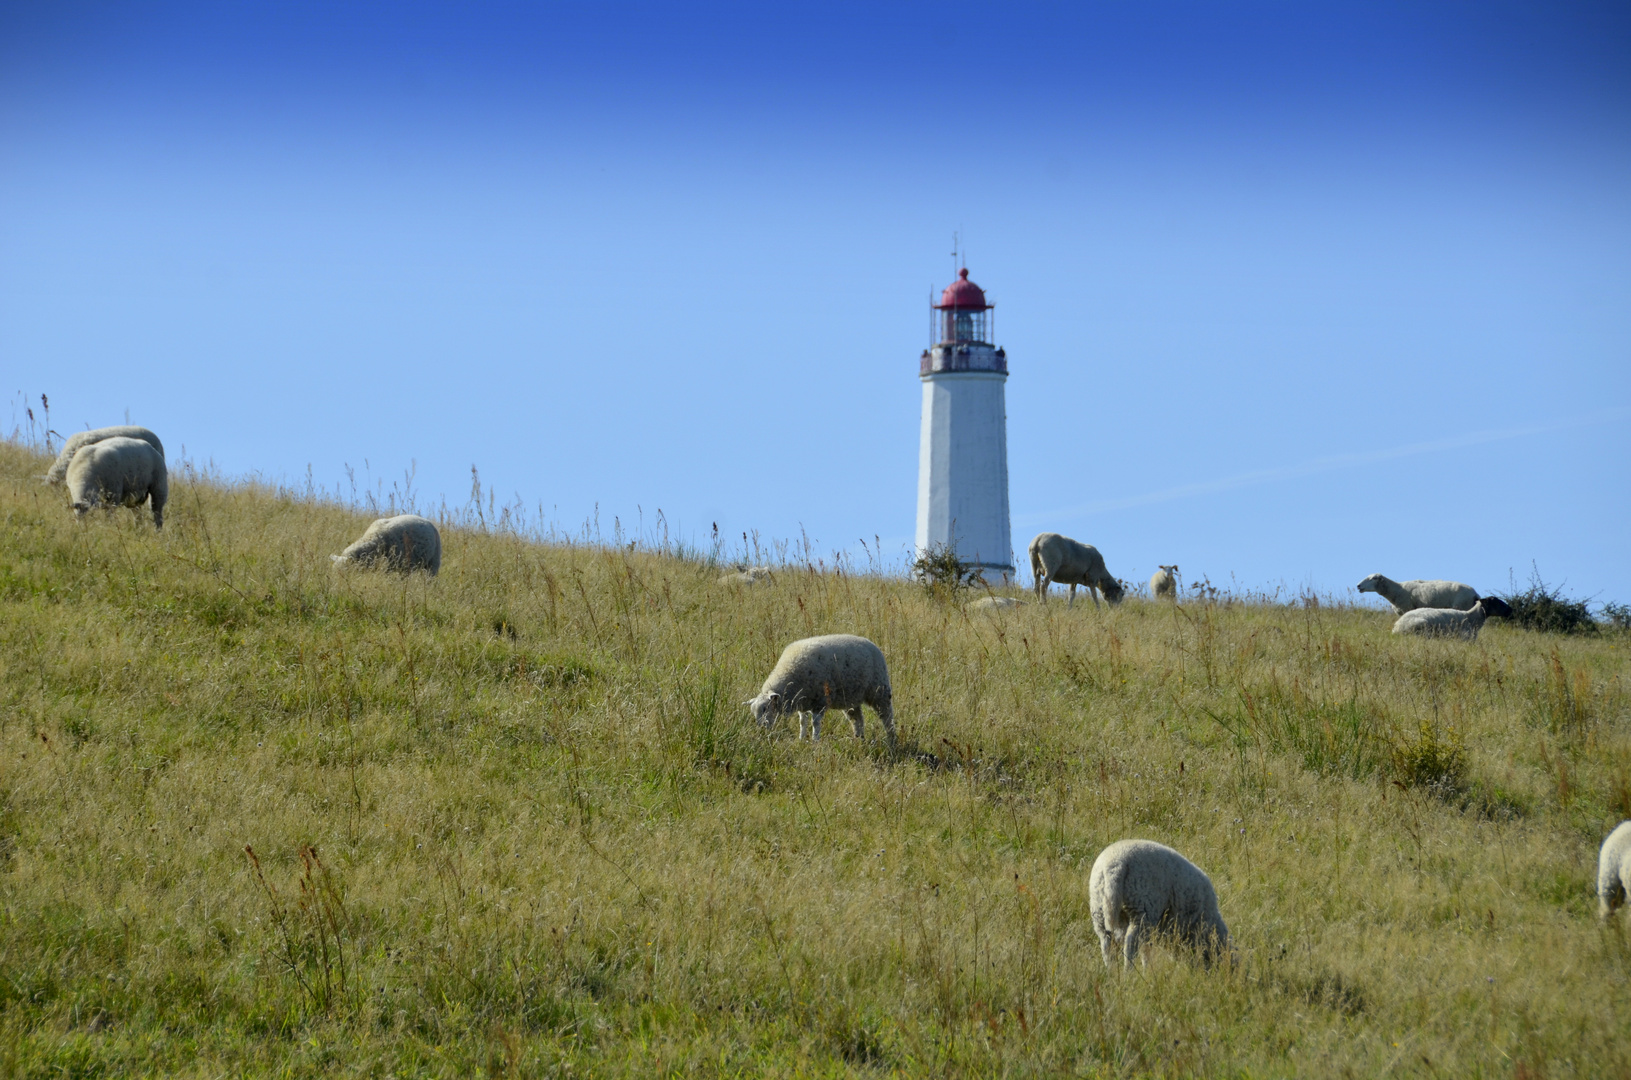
(59, 468)
(1614, 870)
(1449, 622)
(751, 576)
(118, 472)
(1060, 559)
(1138, 887)
(1164, 583)
(833, 671)
(403, 543)
(995, 603)
(1410, 595)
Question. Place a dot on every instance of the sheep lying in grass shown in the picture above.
(1410, 595)
(834, 671)
(58, 472)
(1164, 583)
(1614, 870)
(1060, 560)
(751, 576)
(118, 472)
(1139, 887)
(995, 603)
(403, 543)
(1448, 622)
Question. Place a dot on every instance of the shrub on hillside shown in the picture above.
(1544, 608)
(1431, 759)
(939, 570)
(1617, 616)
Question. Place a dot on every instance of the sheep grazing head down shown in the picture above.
(1495, 607)
(765, 708)
(1113, 591)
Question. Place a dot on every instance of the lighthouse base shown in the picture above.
(962, 496)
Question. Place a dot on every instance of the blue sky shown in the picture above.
(1291, 293)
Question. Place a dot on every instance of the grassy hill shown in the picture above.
(514, 819)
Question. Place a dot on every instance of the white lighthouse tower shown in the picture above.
(962, 471)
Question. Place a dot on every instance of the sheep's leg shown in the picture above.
(886, 714)
(815, 723)
(800, 717)
(1616, 896)
(1072, 601)
(1135, 934)
(1107, 941)
(857, 721)
(1094, 593)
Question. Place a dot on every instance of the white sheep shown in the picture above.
(1059, 559)
(118, 472)
(751, 576)
(995, 603)
(834, 671)
(1164, 583)
(1139, 887)
(1410, 595)
(403, 543)
(1614, 870)
(1449, 622)
(58, 472)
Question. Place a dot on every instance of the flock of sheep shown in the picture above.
(1136, 888)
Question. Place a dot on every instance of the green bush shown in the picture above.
(1544, 608)
(1617, 615)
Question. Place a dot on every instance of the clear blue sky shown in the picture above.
(1290, 292)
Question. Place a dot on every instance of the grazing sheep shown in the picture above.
(751, 576)
(403, 543)
(118, 472)
(1138, 887)
(834, 671)
(1614, 870)
(59, 468)
(995, 603)
(1164, 583)
(1448, 622)
(1410, 595)
(1059, 559)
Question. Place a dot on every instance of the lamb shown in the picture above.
(1164, 583)
(751, 576)
(403, 543)
(1410, 595)
(1614, 870)
(59, 468)
(1449, 622)
(995, 603)
(834, 671)
(1138, 887)
(1060, 559)
(118, 472)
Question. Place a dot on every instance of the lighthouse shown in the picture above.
(962, 470)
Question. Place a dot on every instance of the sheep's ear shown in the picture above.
(338, 558)
(775, 698)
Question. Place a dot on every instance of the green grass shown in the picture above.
(515, 821)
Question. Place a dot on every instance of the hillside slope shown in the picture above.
(515, 818)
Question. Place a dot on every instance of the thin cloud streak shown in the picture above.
(1317, 465)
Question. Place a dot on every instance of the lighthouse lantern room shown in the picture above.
(962, 485)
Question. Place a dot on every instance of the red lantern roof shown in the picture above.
(963, 295)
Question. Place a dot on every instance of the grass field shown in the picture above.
(514, 820)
